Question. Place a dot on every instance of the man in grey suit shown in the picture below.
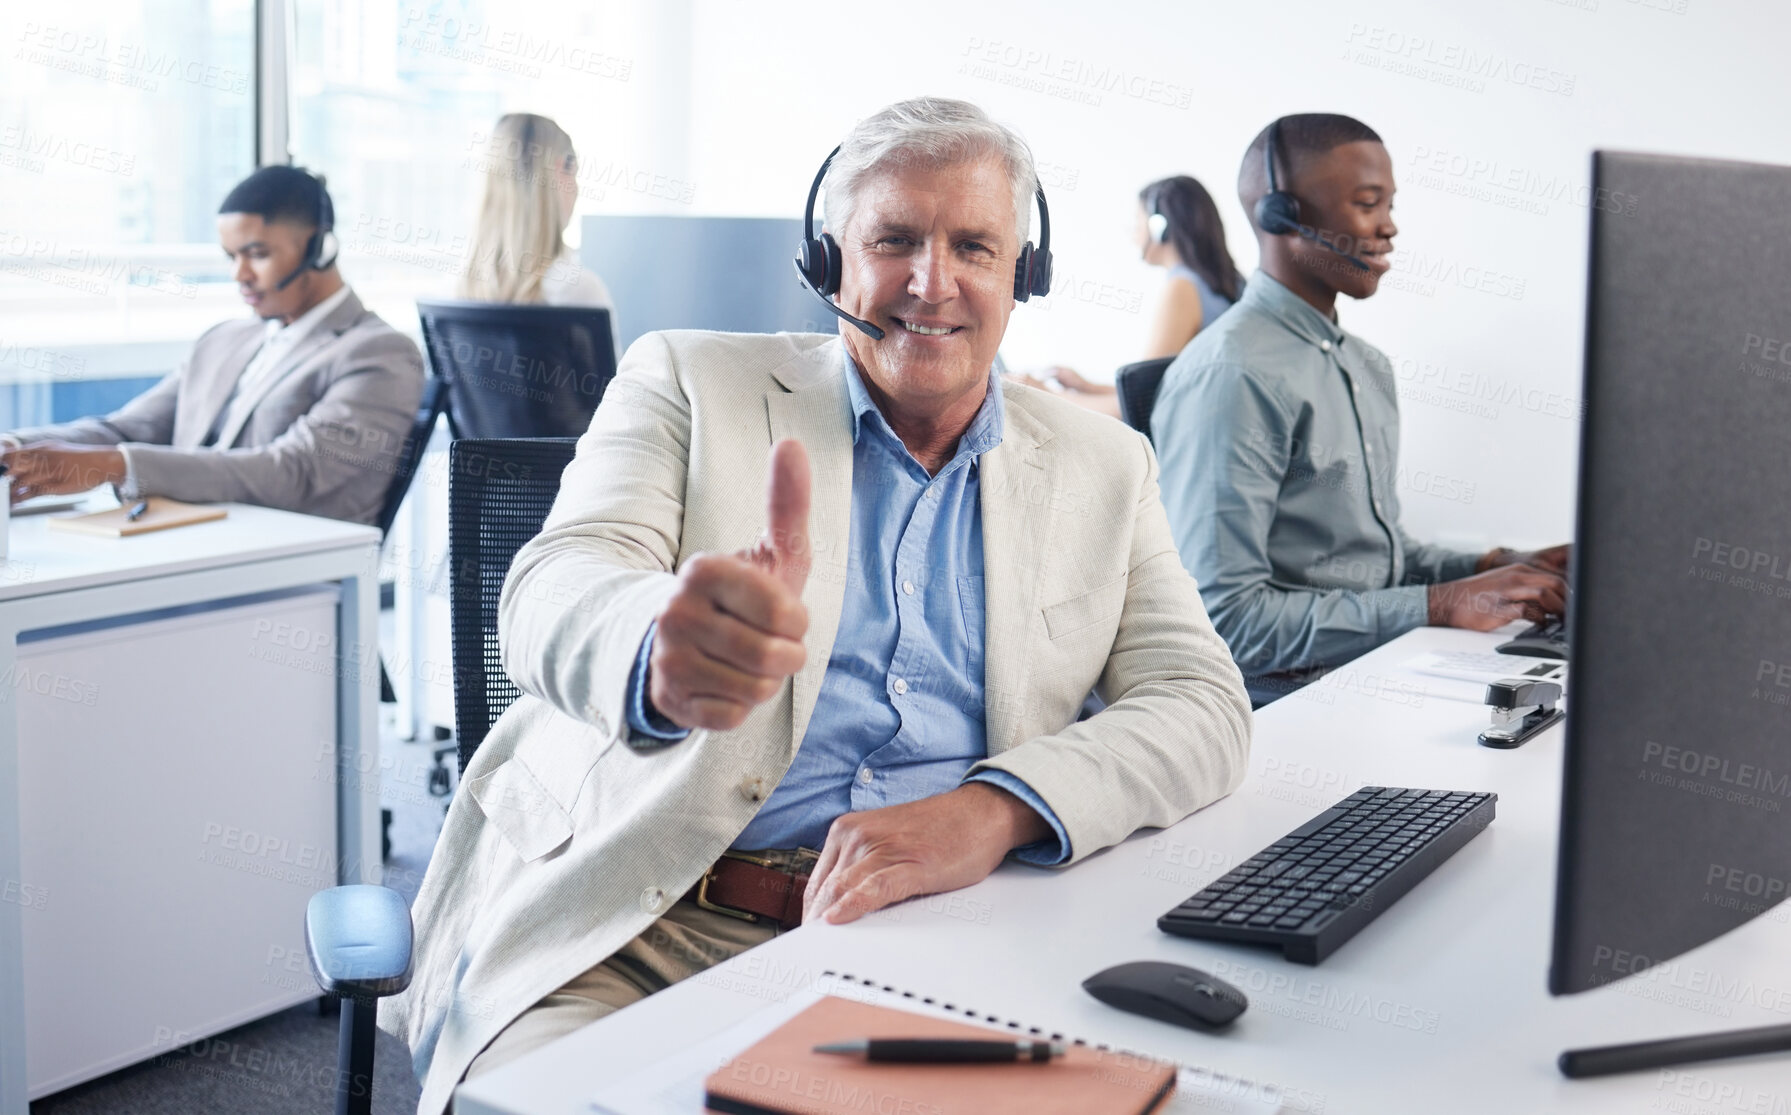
(719, 740)
(305, 407)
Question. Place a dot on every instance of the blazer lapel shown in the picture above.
(216, 384)
(1015, 488)
(815, 411)
(327, 330)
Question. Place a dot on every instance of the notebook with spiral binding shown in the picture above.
(675, 1084)
(782, 1075)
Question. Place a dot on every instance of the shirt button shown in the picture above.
(900, 687)
(1368, 449)
(652, 899)
(908, 588)
(865, 776)
(930, 493)
(1324, 346)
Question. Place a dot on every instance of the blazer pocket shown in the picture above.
(516, 802)
(1082, 611)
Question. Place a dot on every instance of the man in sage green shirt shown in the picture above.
(1278, 437)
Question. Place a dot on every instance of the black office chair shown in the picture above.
(422, 428)
(519, 371)
(358, 937)
(1137, 387)
(410, 455)
(499, 492)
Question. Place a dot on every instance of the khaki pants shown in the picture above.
(686, 940)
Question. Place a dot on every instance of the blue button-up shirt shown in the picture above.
(1278, 437)
(900, 713)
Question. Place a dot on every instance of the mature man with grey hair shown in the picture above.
(890, 674)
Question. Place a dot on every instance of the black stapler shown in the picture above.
(1521, 708)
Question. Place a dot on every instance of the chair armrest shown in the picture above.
(358, 939)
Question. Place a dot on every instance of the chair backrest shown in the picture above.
(1137, 387)
(519, 371)
(422, 428)
(499, 493)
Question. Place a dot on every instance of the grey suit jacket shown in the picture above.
(323, 436)
(571, 835)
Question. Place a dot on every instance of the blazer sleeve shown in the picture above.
(581, 595)
(147, 418)
(337, 459)
(1175, 734)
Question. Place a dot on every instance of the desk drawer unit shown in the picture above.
(178, 809)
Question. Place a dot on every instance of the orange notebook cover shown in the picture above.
(782, 1075)
(161, 515)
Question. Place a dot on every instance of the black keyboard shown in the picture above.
(1316, 887)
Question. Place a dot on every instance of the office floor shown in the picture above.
(284, 1064)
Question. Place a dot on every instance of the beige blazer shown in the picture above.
(322, 436)
(571, 835)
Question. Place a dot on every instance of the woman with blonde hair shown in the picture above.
(519, 251)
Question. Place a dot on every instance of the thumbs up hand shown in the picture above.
(733, 631)
(784, 551)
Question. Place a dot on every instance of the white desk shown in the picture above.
(175, 709)
(1438, 1005)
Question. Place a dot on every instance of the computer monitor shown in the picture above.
(1676, 818)
(728, 273)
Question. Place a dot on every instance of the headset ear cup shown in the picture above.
(1159, 227)
(811, 261)
(1278, 213)
(1041, 272)
(832, 265)
(1023, 274)
(325, 256)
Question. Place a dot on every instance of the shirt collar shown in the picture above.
(1272, 297)
(307, 321)
(982, 435)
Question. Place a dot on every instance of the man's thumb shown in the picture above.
(786, 497)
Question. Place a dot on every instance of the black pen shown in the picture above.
(136, 512)
(944, 1050)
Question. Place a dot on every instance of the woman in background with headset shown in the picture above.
(519, 251)
(1178, 228)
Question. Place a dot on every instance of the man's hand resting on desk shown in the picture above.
(1496, 597)
(882, 856)
(733, 631)
(53, 468)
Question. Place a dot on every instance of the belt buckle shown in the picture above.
(702, 894)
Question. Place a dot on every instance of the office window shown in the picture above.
(122, 124)
(392, 101)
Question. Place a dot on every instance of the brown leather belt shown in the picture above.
(750, 888)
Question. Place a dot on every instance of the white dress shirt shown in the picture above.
(568, 283)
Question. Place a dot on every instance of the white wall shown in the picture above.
(1493, 170)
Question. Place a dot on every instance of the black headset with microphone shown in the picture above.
(819, 262)
(1278, 212)
(321, 248)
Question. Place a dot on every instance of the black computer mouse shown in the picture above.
(1168, 992)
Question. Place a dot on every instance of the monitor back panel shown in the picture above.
(1677, 811)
